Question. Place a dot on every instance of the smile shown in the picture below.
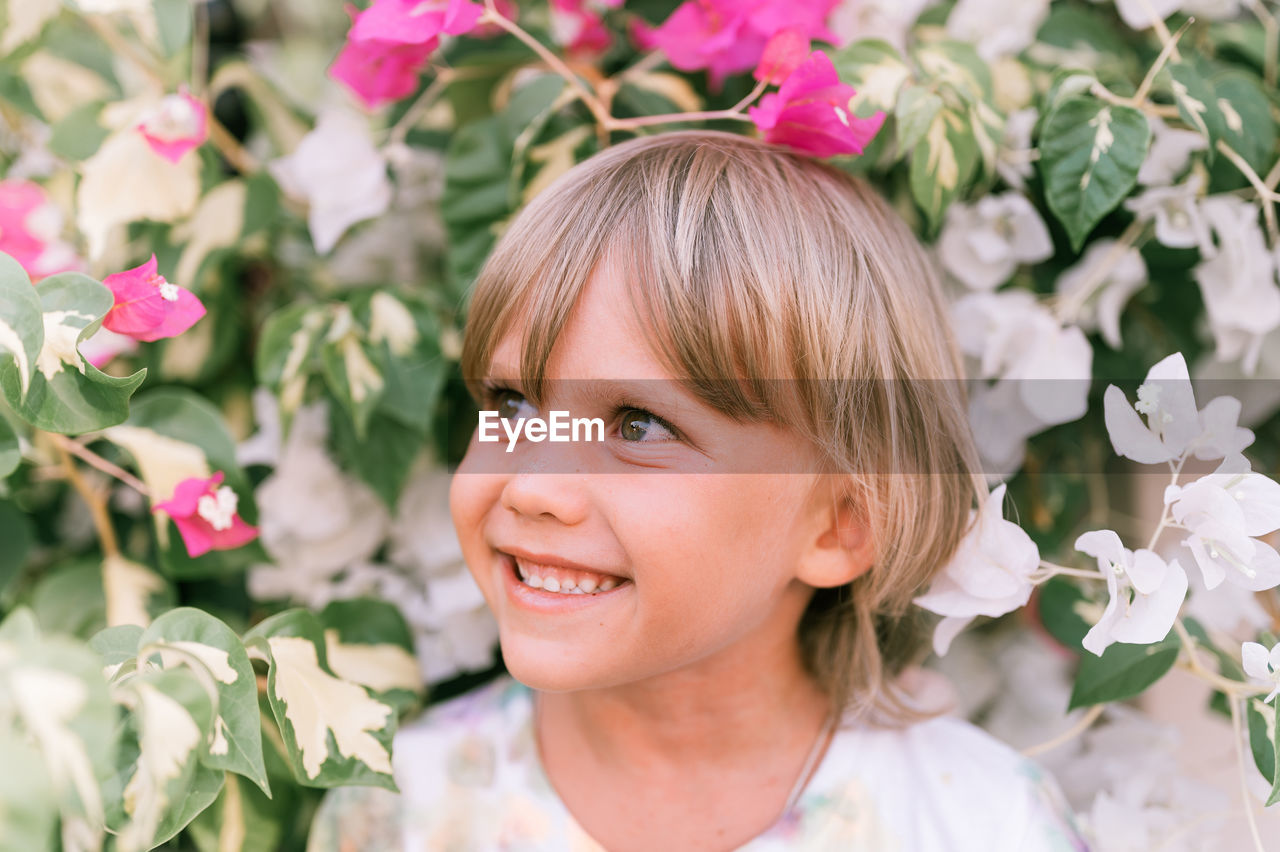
(561, 581)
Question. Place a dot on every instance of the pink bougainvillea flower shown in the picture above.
(178, 124)
(380, 72)
(204, 511)
(578, 28)
(729, 36)
(810, 112)
(30, 225)
(783, 54)
(147, 306)
(415, 21)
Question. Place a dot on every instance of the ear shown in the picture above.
(840, 547)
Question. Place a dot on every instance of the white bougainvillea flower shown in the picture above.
(1145, 592)
(1262, 665)
(1121, 277)
(1176, 211)
(1018, 339)
(988, 575)
(1238, 284)
(1222, 511)
(1169, 403)
(126, 181)
(1167, 157)
(1143, 14)
(982, 244)
(997, 28)
(339, 173)
(1016, 156)
(1214, 10)
(890, 20)
(1222, 435)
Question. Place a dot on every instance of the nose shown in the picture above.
(534, 492)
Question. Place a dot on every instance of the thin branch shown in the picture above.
(1238, 736)
(230, 148)
(200, 49)
(95, 500)
(122, 46)
(1169, 47)
(400, 130)
(1082, 724)
(94, 460)
(1268, 196)
(1056, 570)
(1068, 307)
(492, 15)
(1271, 41)
(1158, 23)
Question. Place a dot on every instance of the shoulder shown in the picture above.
(945, 783)
(457, 744)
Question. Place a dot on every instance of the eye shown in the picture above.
(510, 404)
(639, 426)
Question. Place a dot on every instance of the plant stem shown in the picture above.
(96, 502)
(230, 148)
(1069, 307)
(1170, 45)
(432, 93)
(1082, 724)
(94, 460)
(1069, 572)
(492, 15)
(1238, 736)
(1266, 195)
(122, 46)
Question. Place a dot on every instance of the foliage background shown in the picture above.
(333, 245)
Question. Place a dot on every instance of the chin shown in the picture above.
(541, 668)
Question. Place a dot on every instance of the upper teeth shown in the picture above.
(562, 580)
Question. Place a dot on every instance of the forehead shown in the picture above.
(603, 338)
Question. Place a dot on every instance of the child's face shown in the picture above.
(707, 559)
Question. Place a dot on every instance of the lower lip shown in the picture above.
(538, 600)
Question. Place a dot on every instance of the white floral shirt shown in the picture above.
(471, 781)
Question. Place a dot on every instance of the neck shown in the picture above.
(728, 710)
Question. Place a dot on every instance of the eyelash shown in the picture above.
(491, 391)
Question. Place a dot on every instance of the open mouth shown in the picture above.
(563, 581)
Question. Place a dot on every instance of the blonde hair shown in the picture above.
(744, 254)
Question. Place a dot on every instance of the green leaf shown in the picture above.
(875, 69)
(1091, 152)
(380, 457)
(236, 742)
(1122, 671)
(15, 533)
(368, 642)
(66, 393)
(173, 20)
(117, 645)
(943, 164)
(29, 815)
(241, 818)
(957, 65)
(1261, 719)
(78, 135)
(1060, 605)
(1247, 125)
(916, 110)
(21, 327)
(286, 355)
(1196, 103)
(335, 732)
(167, 784)
(70, 599)
(10, 452)
(349, 370)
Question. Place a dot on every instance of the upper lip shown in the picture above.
(554, 561)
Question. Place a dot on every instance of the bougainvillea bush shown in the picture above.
(235, 244)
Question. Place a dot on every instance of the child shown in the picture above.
(705, 661)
